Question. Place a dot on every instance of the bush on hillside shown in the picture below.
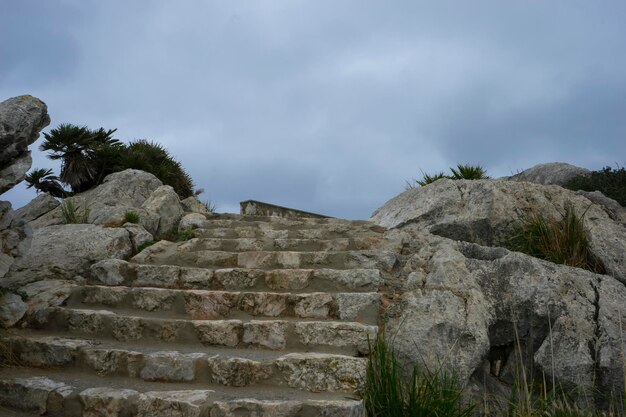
(88, 156)
(461, 172)
(609, 181)
(562, 241)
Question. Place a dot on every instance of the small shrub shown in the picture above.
(131, 217)
(71, 215)
(388, 394)
(461, 172)
(468, 172)
(184, 235)
(562, 241)
(610, 182)
(210, 206)
(145, 245)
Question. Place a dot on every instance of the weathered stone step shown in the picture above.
(301, 245)
(383, 260)
(212, 305)
(305, 371)
(117, 272)
(277, 219)
(257, 232)
(330, 336)
(67, 394)
(277, 223)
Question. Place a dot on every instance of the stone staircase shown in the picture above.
(254, 316)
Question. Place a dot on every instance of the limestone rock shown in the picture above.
(138, 235)
(12, 309)
(323, 372)
(111, 271)
(486, 212)
(35, 394)
(46, 293)
(553, 173)
(237, 372)
(109, 202)
(170, 366)
(40, 205)
(65, 251)
(164, 202)
(191, 221)
(188, 403)
(193, 205)
(108, 402)
(22, 118)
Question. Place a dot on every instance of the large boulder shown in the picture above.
(22, 119)
(553, 173)
(487, 211)
(468, 307)
(108, 203)
(66, 252)
(164, 202)
(40, 205)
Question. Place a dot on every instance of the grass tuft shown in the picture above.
(145, 245)
(461, 172)
(389, 394)
(562, 241)
(71, 214)
(131, 217)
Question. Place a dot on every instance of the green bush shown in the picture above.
(145, 245)
(184, 235)
(71, 215)
(461, 172)
(562, 241)
(88, 156)
(388, 394)
(131, 217)
(611, 182)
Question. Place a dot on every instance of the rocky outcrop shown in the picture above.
(553, 173)
(486, 211)
(463, 301)
(22, 118)
(157, 205)
(40, 205)
(67, 251)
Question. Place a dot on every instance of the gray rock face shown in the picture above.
(22, 119)
(36, 208)
(12, 309)
(165, 203)
(553, 173)
(65, 251)
(109, 202)
(470, 306)
(193, 205)
(486, 211)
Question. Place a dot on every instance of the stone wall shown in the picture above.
(258, 208)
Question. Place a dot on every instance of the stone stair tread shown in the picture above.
(271, 259)
(47, 390)
(300, 233)
(324, 371)
(167, 275)
(216, 304)
(338, 336)
(241, 244)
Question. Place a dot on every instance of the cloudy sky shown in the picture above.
(328, 106)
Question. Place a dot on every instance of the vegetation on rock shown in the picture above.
(609, 181)
(71, 215)
(461, 172)
(88, 156)
(562, 241)
(131, 217)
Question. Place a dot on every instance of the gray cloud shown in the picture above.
(329, 107)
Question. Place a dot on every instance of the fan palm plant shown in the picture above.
(76, 147)
(45, 182)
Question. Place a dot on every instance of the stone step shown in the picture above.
(382, 260)
(314, 372)
(61, 393)
(295, 220)
(214, 305)
(258, 232)
(299, 245)
(117, 272)
(348, 338)
(277, 223)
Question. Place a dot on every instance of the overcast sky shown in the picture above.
(328, 106)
